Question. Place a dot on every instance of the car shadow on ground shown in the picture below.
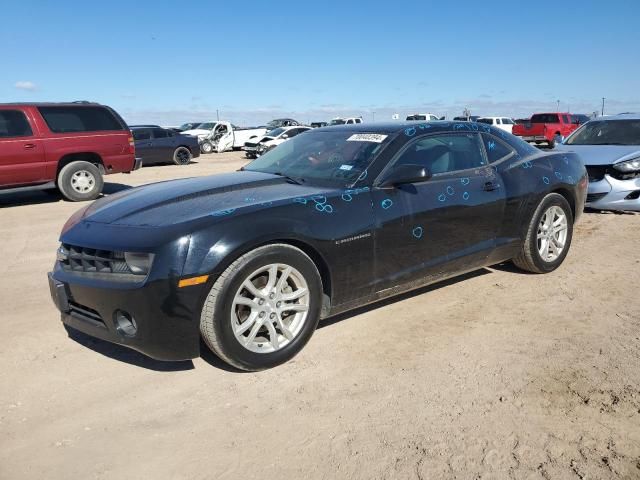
(126, 355)
(329, 321)
(49, 196)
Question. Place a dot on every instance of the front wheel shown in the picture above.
(80, 181)
(206, 147)
(182, 156)
(263, 308)
(548, 236)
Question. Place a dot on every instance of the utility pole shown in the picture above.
(217, 115)
(603, 99)
(374, 116)
(557, 105)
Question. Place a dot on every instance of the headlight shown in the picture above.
(139, 263)
(632, 165)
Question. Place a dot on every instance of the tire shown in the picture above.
(182, 156)
(206, 147)
(530, 258)
(80, 181)
(221, 319)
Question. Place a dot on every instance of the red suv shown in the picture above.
(64, 146)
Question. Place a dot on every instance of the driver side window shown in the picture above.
(444, 153)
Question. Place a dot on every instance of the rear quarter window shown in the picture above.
(14, 123)
(496, 149)
(80, 119)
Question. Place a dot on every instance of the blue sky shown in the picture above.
(170, 62)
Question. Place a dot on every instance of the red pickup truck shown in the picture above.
(63, 146)
(546, 127)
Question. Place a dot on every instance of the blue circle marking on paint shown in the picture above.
(347, 197)
(545, 180)
(417, 232)
(570, 179)
(465, 195)
(387, 203)
(363, 175)
(464, 181)
(221, 213)
(320, 199)
(301, 200)
(410, 132)
(442, 197)
(558, 175)
(450, 190)
(324, 207)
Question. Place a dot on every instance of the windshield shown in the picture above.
(334, 158)
(275, 132)
(206, 126)
(417, 117)
(607, 132)
(488, 121)
(545, 118)
(337, 121)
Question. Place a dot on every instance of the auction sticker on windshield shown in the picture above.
(367, 137)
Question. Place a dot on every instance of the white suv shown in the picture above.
(423, 117)
(345, 121)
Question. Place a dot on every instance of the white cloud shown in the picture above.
(26, 85)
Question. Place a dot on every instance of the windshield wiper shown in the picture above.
(297, 181)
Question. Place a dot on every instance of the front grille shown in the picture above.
(594, 197)
(596, 172)
(81, 259)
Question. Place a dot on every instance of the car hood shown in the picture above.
(196, 132)
(602, 154)
(191, 199)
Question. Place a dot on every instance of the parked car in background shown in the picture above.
(201, 130)
(226, 136)
(249, 261)
(63, 146)
(422, 117)
(503, 123)
(319, 124)
(610, 149)
(282, 122)
(580, 119)
(470, 118)
(346, 121)
(548, 128)
(186, 126)
(256, 147)
(162, 145)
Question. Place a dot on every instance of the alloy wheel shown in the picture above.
(270, 308)
(552, 233)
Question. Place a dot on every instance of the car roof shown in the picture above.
(621, 116)
(146, 126)
(54, 104)
(395, 127)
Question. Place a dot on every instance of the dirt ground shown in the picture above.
(496, 375)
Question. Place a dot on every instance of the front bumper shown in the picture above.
(612, 194)
(166, 317)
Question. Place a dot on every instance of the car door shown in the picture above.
(445, 225)
(22, 157)
(143, 143)
(162, 145)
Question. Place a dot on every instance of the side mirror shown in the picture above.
(409, 173)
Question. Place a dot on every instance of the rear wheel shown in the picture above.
(80, 181)
(548, 236)
(182, 156)
(263, 309)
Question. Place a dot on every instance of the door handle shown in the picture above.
(29, 146)
(490, 186)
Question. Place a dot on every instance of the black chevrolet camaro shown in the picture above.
(328, 221)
